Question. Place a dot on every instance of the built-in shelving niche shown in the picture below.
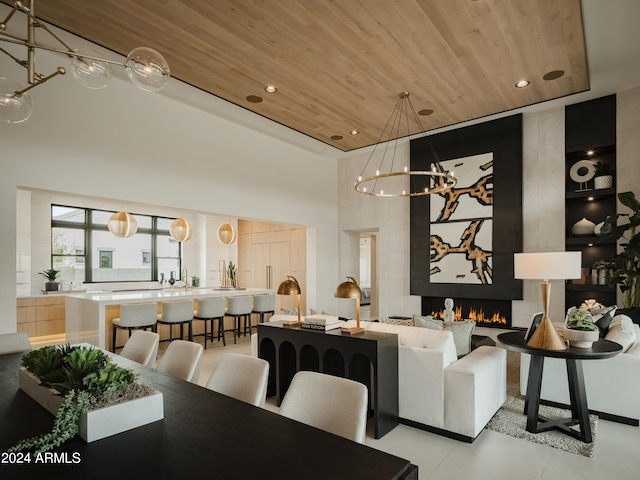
(590, 134)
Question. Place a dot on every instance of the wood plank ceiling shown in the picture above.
(339, 65)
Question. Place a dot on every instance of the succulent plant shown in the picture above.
(580, 320)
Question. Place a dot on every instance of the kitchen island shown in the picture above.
(88, 316)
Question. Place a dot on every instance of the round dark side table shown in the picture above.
(573, 356)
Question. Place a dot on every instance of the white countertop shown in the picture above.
(172, 292)
(166, 294)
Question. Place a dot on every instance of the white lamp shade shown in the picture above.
(547, 265)
(180, 230)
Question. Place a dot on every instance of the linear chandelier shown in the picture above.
(380, 183)
(146, 68)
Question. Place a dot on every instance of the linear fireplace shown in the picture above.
(486, 312)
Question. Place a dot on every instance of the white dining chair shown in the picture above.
(14, 343)
(182, 360)
(142, 347)
(242, 377)
(334, 404)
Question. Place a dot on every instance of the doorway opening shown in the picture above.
(368, 277)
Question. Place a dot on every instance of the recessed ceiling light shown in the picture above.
(522, 83)
(425, 111)
(590, 152)
(254, 99)
(553, 75)
(270, 89)
(354, 132)
(336, 137)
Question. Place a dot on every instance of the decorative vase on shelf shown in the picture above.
(583, 227)
(172, 278)
(594, 276)
(602, 276)
(597, 230)
(604, 181)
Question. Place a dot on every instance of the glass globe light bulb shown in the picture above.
(13, 108)
(147, 69)
(91, 73)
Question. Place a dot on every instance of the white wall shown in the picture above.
(171, 150)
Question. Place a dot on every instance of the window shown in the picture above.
(85, 251)
(106, 258)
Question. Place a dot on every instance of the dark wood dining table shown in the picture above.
(203, 435)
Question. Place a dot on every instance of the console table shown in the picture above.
(370, 358)
(536, 423)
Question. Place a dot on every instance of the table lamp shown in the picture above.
(547, 266)
(350, 289)
(291, 287)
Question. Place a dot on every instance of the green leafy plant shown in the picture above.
(83, 375)
(604, 168)
(65, 426)
(50, 274)
(580, 320)
(232, 271)
(627, 262)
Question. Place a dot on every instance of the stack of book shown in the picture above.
(322, 323)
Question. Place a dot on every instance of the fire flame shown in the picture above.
(474, 314)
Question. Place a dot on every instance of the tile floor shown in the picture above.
(493, 456)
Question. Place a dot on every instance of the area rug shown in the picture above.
(511, 421)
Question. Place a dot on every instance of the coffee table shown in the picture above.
(573, 356)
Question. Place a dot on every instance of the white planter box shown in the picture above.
(102, 422)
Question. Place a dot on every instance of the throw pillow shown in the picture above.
(398, 321)
(428, 322)
(603, 323)
(462, 331)
(621, 331)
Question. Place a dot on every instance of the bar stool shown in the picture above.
(208, 310)
(177, 312)
(239, 307)
(263, 304)
(134, 316)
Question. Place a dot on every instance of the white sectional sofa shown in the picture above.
(437, 391)
(612, 385)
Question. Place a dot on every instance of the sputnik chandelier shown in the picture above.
(379, 183)
(146, 68)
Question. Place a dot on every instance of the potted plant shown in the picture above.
(51, 275)
(232, 272)
(79, 384)
(627, 262)
(580, 329)
(603, 175)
